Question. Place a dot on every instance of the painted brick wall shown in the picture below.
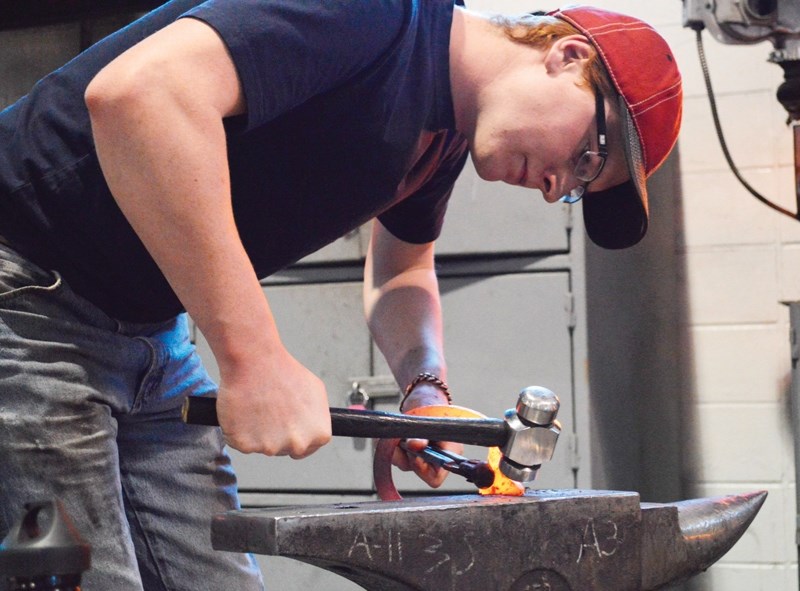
(740, 260)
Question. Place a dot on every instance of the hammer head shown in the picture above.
(532, 433)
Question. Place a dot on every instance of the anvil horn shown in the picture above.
(683, 539)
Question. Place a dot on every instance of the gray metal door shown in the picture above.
(493, 218)
(503, 333)
(323, 326)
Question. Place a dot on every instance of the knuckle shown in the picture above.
(242, 446)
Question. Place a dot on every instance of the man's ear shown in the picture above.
(572, 50)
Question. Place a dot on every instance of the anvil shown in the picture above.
(555, 540)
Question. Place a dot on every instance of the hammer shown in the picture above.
(527, 435)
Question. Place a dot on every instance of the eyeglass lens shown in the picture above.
(590, 164)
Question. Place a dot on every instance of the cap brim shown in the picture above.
(617, 217)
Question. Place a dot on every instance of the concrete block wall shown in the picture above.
(689, 357)
(738, 256)
(737, 260)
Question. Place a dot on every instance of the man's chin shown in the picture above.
(485, 171)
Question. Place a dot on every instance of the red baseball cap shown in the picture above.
(644, 72)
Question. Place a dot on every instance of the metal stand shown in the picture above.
(794, 339)
(43, 551)
(789, 96)
(796, 129)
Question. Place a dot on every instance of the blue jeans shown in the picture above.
(90, 414)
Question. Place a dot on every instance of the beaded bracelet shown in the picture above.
(431, 379)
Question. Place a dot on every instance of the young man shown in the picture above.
(171, 166)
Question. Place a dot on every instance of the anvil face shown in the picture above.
(568, 540)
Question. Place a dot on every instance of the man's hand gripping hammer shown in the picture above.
(526, 436)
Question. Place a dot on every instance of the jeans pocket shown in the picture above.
(19, 276)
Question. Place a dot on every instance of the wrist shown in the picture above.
(247, 357)
(424, 390)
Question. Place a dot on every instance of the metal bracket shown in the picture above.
(364, 390)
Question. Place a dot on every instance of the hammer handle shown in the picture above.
(375, 424)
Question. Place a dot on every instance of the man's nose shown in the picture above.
(549, 187)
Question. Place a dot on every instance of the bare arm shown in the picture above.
(156, 114)
(402, 304)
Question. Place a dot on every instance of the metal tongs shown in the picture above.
(479, 473)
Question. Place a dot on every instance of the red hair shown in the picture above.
(542, 31)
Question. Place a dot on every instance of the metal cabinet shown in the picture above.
(499, 220)
(506, 280)
(323, 326)
(503, 332)
(511, 277)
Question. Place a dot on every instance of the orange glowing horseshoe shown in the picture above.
(384, 450)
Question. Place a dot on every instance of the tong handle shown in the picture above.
(479, 473)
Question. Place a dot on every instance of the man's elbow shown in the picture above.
(112, 93)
